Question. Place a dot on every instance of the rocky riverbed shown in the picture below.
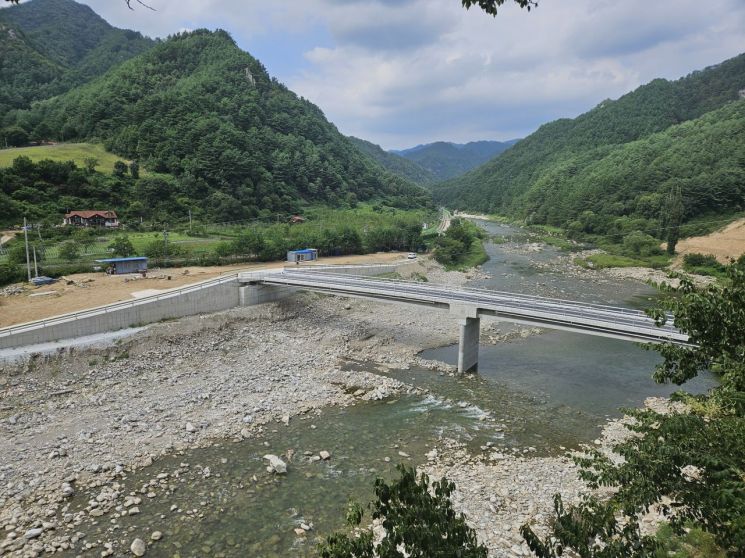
(80, 422)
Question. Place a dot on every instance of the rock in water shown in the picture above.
(190, 427)
(138, 547)
(277, 465)
(324, 455)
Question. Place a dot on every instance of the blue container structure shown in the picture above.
(117, 266)
(307, 255)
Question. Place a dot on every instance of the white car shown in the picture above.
(411, 256)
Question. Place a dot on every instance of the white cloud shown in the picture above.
(401, 72)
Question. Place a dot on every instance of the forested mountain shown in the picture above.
(621, 158)
(447, 160)
(49, 46)
(394, 163)
(223, 138)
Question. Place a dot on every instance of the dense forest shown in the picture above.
(43, 56)
(393, 163)
(620, 160)
(217, 135)
(446, 160)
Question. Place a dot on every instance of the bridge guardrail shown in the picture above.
(516, 296)
(71, 316)
(529, 303)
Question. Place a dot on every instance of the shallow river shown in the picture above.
(542, 392)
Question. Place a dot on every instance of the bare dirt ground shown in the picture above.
(724, 244)
(88, 290)
(7, 236)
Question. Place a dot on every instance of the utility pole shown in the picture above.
(28, 260)
(36, 267)
(165, 246)
(189, 221)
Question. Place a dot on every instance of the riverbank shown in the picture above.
(79, 422)
(77, 426)
(499, 492)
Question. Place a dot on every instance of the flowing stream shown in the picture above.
(536, 394)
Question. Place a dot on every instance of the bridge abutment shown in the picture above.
(250, 295)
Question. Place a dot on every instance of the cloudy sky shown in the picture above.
(403, 72)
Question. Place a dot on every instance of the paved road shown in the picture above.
(591, 319)
(444, 221)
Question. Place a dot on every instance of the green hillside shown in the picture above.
(395, 164)
(570, 166)
(446, 160)
(223, 138)
(626, 187)
(42, 55)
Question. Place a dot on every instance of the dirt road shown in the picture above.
(89, 290)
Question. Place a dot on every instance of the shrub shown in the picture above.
(122, 246)
(700, 260)
(638, 243)
(69, 250)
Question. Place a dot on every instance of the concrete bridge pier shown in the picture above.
(468, 345)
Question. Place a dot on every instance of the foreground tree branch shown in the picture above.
(489, 6)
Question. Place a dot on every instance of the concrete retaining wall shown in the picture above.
(211, 296)
(250, 295)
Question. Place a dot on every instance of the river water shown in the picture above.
(536, 394)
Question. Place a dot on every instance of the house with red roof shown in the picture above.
(92, 218)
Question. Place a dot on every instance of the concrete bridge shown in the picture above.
(467, 304)
(250, 288)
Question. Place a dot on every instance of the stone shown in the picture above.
(33, 533)
(324, 455)
(403, 454)
(276, 465)
(138, 547)
(156, 536)
(190, 427)
(299, 532)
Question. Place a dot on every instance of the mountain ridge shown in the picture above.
(64, 51)
(523, 179)
(221, 136)
(395, 164)
(445, 160)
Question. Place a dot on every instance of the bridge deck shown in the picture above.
(592, 319)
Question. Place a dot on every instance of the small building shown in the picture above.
(307, 255)
(118, 266)
(92, 218)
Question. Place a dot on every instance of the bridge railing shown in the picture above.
(487, 292)
(577, 309)
(71, 316)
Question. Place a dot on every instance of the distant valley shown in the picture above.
(447, 160)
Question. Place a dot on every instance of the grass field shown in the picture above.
(602, 261)
(77, 152)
